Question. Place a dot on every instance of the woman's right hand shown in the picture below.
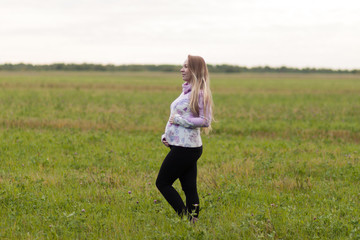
(171, 119)
(165, 142)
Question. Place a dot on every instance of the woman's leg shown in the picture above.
(188, 184)
(176, 164)
(169, 172)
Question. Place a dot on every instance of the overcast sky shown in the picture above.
(306, 33)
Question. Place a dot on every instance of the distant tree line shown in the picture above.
(223, 68)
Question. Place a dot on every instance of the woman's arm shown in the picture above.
(192, 121)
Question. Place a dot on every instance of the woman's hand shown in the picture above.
(165, 142)
(171, 119)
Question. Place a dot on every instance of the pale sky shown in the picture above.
(306, 33)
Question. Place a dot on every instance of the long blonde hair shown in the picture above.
(200, 83)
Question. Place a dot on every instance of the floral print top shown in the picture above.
(185, 129)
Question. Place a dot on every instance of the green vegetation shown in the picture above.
(221, 68)
(80, 152)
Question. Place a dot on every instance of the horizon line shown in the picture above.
(172, 64)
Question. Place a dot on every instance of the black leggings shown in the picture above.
(180, 163)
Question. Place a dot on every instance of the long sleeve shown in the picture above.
(184, 130)
(195, 121)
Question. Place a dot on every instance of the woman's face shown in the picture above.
(185, 72)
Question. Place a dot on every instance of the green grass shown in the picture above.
(281, 163)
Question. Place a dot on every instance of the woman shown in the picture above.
(191, 111)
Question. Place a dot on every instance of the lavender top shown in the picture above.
(185, 131)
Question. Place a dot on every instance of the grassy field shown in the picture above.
(80, 152)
